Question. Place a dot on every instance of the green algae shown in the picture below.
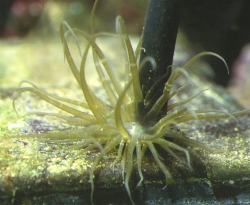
(27, 163)
(34, 165)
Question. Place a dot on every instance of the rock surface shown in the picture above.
(35, 170)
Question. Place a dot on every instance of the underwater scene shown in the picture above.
(116, 102)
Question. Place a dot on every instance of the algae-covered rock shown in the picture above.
(40, 169)
(33, 168)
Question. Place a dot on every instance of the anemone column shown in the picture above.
(159, 38)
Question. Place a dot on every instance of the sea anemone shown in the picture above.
(111, 123)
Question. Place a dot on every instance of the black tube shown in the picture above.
(159, 40)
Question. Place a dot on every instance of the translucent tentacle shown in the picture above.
(131, 58)
(188, 64)
(165, 97)
(68, 119)
(105, 82)
(139, 162)
(53, 102)
(123, 161)
(151, 92)
(177, 91)
(168, 119)
(89, 96)
(167, 144)
(138, 48)
(110, 146)
(183, 102)
(96, 106)
(120, 151)
(103, 60)
(118, 116)
(69, 58)
(67, 100)
(210, 116)
(164, 169)
(129, 167)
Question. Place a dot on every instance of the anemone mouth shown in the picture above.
(112, 125)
